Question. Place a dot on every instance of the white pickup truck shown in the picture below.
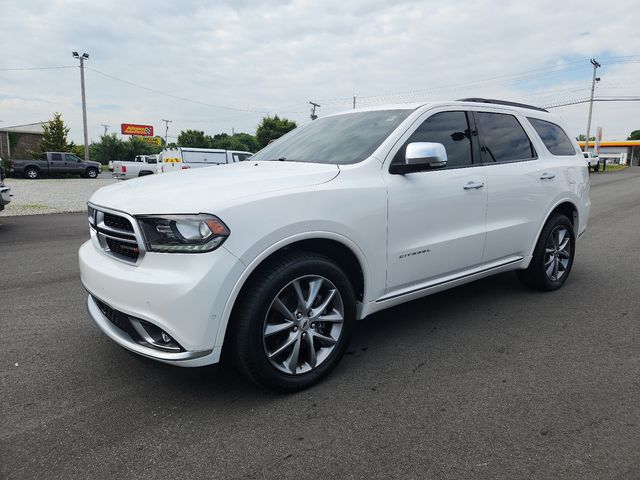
(593, 160)
(185, 158)
(142, 165)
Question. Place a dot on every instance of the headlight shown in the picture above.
(183, 233)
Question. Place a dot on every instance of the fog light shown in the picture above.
(165, 337)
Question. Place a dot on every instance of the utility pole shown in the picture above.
(106, 127)
(354, 101)
(166, 130)
(595, 79)
(313, 109)
(82, 58)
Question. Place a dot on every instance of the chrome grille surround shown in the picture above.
(127, 236)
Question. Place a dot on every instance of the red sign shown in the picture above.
(132, 129)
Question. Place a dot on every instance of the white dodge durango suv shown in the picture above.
(271, 261)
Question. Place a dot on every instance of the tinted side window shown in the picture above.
(553, 137)
(71, 158)
(503, 138)
(451, 129)
(56, 157)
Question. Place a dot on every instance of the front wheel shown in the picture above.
(292, 323)
(92, 173)
(553, 256)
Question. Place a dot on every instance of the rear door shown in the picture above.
(520, 184)
(436, 218)
(57, 163)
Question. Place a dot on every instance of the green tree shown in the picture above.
(635, 135)
(582, 136)
(108, 148)
(193, 138)
(272, 128)
(54, 137)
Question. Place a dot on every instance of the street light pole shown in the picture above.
(593, 87)
(106, 127)
(82, 58)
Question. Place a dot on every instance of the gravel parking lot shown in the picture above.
(52, 195)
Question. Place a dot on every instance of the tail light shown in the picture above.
(185, 167)
(124, 169)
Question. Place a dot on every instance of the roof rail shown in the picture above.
(502, 102)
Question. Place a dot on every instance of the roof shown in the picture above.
(620, 143)
(33, 128)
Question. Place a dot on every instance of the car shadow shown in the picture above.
(394, 325)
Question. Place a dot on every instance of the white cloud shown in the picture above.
(275, 56)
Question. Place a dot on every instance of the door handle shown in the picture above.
(547, 176)
(473, 185)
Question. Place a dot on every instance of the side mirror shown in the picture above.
(420, 156)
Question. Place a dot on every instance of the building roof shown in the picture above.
(34, 128)
(621, 143)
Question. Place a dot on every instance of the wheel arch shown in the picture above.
(565, 207)
(337, 247)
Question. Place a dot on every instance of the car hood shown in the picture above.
(199, 189)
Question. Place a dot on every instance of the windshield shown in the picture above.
(340, 139)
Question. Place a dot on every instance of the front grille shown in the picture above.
(129, 250)
(116, 221)
(115, 234)
(119, 319)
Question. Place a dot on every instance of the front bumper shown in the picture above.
(182, 294)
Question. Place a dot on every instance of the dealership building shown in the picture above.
(625, 152)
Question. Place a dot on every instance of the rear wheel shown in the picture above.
(292, 323)
(31, 173)
(553, 256)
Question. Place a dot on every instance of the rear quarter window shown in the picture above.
(553, 137)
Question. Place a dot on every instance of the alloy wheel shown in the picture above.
(303, 324)
(557, 253)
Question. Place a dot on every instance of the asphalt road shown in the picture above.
(488, 380)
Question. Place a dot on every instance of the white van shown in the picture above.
(183, 158)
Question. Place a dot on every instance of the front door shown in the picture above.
(436, 225)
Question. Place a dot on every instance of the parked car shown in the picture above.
(142, 165)
(55, 163)
(593, 160)
(5, 192)
(183, 158)
(272, 261)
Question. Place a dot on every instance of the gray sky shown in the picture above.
(262, 57)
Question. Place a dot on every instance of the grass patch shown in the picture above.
(613, 168)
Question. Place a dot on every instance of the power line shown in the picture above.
(36, 68)
(597, 99)
(159, 92)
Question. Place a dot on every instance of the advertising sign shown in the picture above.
(152, 140)
(133, 129)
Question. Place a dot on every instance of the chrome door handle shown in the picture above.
(473, 185)
(547, 176)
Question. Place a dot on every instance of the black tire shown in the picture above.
(246, 344)
(144, 173)
(31, 173)
(92, 172)
(537, 276)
